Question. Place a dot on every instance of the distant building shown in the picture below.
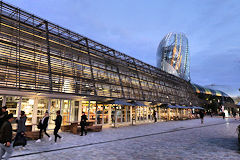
(173, 55)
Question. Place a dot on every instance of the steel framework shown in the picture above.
(38, 55)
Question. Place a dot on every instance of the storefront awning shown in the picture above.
(183, 107)
(120, 102)
(179, 107)
(195, 107)
(137, 104)
(170, 106)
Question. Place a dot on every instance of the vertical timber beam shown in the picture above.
(120, 80)
(139, 80)
(90, 64)
(18, 49)
(49, 57)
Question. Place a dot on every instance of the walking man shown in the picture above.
(6, 138)
(43, 124)
(3, 115)
(83, 123)
(201, 116)
(155, 116)
(58, 122)
(223, 114)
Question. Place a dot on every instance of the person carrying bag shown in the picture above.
(20, 139)
(43, 124)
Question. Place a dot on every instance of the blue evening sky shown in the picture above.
(135, 27)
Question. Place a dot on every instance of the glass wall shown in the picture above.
(142, 113)
(128, 113)
(12, 104)
(105, 112)
(42, 108)
(27, 107)
(65, 111)
(118, 114)
(75, 111)
(89, 109)
(163, 113)
(99, 114)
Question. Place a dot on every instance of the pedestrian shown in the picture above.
(3, 115)
(211, 114)
(155, 116)
(98, 117)
(43, 124)
(201, 113)
(58, 122)
(83, 123)
(6, 147)
(234, 115)
(223, 114)
(21, 128)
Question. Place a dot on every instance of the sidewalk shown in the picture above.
(111, 134)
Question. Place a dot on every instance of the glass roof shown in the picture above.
(204, 90)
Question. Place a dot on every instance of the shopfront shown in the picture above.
(35, 107)
(97, 112)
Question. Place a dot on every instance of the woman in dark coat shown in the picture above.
(43, 124)
(21, 123)
(21, 128)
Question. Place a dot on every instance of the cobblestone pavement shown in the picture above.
(215, 139)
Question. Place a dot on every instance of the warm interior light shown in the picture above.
(31, 101)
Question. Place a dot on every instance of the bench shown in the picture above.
(66, 128)
(75, 127)
(93, 128)
(29, 134)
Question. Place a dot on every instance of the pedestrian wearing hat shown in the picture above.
(6, 148)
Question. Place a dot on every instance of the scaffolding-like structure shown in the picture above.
(38, 55)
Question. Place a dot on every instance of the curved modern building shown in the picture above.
(173, 55)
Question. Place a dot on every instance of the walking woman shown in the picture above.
(58, 122)
(43, 124)
(20, 139)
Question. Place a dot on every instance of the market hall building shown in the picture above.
(45, 67)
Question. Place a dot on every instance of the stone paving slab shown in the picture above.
(176, 144)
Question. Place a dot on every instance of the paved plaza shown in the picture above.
(215, 139)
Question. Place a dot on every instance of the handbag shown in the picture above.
(39, 126)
